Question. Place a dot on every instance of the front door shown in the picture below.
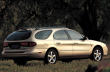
(80, 47)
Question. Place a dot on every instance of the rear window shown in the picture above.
(19, 35)
(43, 34)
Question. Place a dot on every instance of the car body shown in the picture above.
(51, 43)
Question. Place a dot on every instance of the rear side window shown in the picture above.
(43, 34)
(19, 35)
(60, 35)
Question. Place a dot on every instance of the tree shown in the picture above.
(91, 15)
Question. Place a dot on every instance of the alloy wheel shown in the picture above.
(51, 57)
(97, 54)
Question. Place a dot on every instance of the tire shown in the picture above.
(20, 62)
(51, 57)
(97, 54)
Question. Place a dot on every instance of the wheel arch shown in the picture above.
(53, 49)
(98, 46)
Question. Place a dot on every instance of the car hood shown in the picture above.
(97, 42)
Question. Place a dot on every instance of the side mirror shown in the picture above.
(84, 38)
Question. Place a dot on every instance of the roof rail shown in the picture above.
(50, 27)
(26, 29)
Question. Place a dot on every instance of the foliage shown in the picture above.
(88, 16)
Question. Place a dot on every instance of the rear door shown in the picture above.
(63, 43)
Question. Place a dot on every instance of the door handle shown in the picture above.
(58, 43)
(75, 43)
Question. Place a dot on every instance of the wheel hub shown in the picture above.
(51, 57)
(97, 55)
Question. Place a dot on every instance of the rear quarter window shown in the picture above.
(19, 35)
(43, 34)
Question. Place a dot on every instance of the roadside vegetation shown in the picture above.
(38, 66)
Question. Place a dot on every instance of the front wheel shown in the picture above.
(51, 57)
(97, 54)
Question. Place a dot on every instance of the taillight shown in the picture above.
(5, 44)
(28, 44)
(24, 44)
(31, 44)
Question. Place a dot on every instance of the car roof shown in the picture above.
(44, 28)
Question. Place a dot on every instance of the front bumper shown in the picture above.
(105, 49)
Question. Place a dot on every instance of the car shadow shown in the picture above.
(91, 68)
(35, 63)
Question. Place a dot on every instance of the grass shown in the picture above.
(38, 66)
(107, 69)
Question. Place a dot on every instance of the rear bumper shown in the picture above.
(29, 54)
(13, 55)
(22, 56)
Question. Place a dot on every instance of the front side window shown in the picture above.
(43, 34)
(74, 35)
(60, 35)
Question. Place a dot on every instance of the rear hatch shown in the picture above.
(19, 35)
(19, 40)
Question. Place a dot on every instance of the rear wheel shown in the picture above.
(51, 57)
(97, 54)
(20, 61)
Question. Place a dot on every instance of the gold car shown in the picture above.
(51, 44)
